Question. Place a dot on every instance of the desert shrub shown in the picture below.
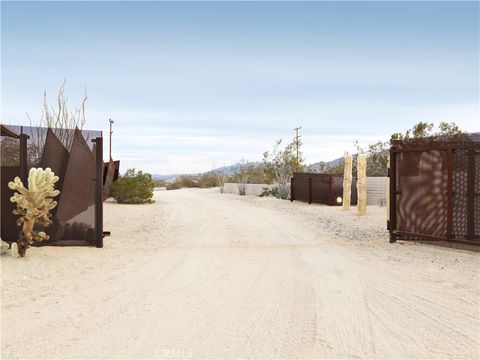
(221, 178)
(185, 181)
(208, 180)
(283, 191)
(242, 188)
(173, 185)
(241, 177)
(133, 188)
(160, 183)
(280, 164)
(269, 192)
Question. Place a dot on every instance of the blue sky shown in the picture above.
(193, 84)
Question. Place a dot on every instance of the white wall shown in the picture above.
(376, 189)
(252, 189)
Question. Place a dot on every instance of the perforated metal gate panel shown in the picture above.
(435, 191)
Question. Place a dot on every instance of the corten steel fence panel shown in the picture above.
(77, 192)
(73, 157)
(300, 187)
(435, 191)
(110, 174)
(55, 156)
(320, 188)
(9, 228)
(337, 190)
(10, 168)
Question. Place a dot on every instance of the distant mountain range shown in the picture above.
(231, 169)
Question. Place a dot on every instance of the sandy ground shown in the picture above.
(204, 275)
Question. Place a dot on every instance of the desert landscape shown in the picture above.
(199, 274)
(240, 180)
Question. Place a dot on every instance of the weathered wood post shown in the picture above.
(347, 182)
(362, 184)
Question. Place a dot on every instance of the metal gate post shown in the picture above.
(471, 194)
(23, 158)
(392, 224)
(449, 194)
(291, 189)
(99, 192)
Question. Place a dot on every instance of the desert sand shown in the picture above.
(199, 274)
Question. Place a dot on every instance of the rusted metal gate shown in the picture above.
(76, 156)
(319, 188)
(435, 191)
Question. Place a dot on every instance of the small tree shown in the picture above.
(133, 188)
(377, 153)
(425, 130)
(241, 177)
(221, 178)
(279, 166)
(377, 158)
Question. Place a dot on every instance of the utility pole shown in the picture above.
(297, 143)
(111, 132)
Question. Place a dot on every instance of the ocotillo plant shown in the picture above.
(33, 205)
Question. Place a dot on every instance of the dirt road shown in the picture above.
(204, 275)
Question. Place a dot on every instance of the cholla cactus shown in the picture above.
(33, 205)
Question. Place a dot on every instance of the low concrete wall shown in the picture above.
(252, 189)
(376, 190)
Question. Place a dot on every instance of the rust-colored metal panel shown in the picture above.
(77, 192)
(109, 178)
(320, 188)
(117, 170)
(116, 164)
(55, 156)
(4, 131)
(9, 228)
(75, 219)
(435, 190)
(422, 193)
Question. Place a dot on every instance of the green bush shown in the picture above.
(133, 188)
(269, 192)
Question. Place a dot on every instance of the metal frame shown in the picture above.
(23, 158)
(399, 147)
(309, 192)
(98, 192)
